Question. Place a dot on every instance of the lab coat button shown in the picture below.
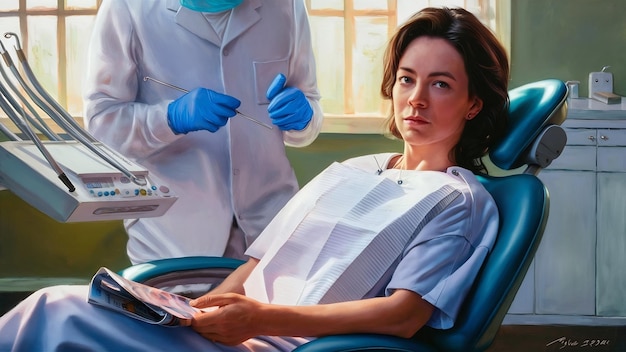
(226, 52)
(235, 172)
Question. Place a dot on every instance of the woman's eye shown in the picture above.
(440, 84)
(404, 79)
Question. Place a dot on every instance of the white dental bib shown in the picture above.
(336, 238)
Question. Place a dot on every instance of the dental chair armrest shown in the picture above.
(155, 272)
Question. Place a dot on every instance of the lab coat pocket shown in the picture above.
(264, 73)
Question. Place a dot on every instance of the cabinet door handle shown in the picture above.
(592, 138)
(604, 138)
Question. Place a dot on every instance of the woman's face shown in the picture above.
(431, 101)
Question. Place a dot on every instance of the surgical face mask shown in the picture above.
(210, 5)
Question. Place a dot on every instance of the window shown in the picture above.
(349, 37)
(54, 35)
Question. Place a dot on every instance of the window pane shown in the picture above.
(328, 44)
(41, 4)
(406, 9)
(369, 46)
(78, 29)
(370, 5)
(80, 4)
(448, 3)
(8, 24)
(472, 6)
(327, 4)
(42, 54)
(8, 5)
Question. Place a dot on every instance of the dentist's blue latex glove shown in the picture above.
(201, 109)
(289, 109)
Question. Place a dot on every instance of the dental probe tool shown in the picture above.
(186, 91)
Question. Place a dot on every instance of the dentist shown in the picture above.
(231, 175)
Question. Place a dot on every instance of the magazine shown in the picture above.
(149, 304)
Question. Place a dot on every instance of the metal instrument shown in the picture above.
(148, 78)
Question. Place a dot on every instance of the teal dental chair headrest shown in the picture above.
(532, 107)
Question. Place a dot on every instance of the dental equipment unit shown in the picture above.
(96, 182)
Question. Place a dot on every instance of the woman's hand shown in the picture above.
(232, 318)
(235, 318)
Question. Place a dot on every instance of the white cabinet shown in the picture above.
(579, 269)
(611, 229)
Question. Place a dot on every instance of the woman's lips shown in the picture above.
(415, 120)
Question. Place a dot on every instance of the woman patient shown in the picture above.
(383, 243)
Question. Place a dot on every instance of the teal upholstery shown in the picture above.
(182, 270)
(533, 106)
(523, 203)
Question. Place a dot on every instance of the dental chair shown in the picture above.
(534, 138)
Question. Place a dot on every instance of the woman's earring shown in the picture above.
(469, 116)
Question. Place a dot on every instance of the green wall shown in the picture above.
(34, 245)
(567, 39)
(329, 147)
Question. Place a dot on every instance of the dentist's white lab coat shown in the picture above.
(241, 170)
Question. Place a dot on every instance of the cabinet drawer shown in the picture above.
(611, 159)
(611, 137)
(576, 157)
(581, 136)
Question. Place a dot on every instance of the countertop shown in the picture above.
(589, 109)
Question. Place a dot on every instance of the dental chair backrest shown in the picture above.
(534, 139)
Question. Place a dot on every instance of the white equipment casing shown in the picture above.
(102, 191)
